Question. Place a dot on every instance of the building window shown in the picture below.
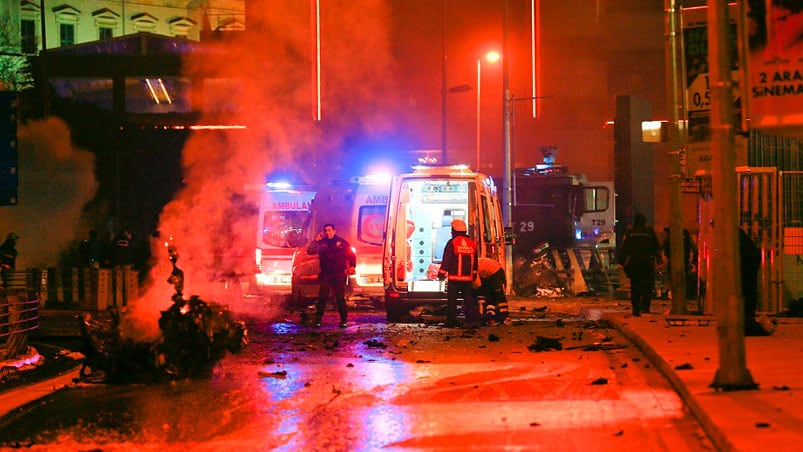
(66, 34)
(105, 33)
(181, 27)
(28, 30)
(106, 22)
(67, 18)
(144, 22)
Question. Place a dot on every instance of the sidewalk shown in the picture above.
(768, 418)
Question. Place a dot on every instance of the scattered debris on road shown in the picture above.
(277, 374)
(543, 344)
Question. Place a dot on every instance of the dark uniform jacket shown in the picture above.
(8, 255)
(639, 250)
(335, 255)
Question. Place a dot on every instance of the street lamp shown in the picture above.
(492, 57)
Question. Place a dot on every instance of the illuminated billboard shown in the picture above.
(775, 36)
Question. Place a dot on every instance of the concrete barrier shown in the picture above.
(91, 289)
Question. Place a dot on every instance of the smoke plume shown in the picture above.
(269, 67)
(56, 180)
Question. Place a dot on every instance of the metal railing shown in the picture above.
(19, 314)
(28, 290)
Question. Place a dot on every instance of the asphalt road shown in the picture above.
(546, 382)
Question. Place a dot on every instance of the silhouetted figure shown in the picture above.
(337, 261)
(8, 257)
(638, 255)
(91, 250)
(750, 263)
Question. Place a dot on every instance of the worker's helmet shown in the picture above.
(459, 226)
(12, 236)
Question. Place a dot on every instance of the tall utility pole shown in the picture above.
(677, 264)
(507, 189)
(443, 84)
(479, 96)
(725, 278)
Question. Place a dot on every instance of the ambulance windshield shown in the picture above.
(282, 229)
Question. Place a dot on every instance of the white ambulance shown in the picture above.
(283, 213)
(422, 206)
(357, 208)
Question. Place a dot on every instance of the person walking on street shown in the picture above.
(459, 267)
(492, 290)
(8, 257)
(337, 262)
(638, 256)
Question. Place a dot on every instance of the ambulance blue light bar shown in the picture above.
(279, 185)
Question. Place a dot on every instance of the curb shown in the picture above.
(714, 433)
(23, 395)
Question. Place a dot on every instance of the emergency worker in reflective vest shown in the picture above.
(491, 292)
(459, 267)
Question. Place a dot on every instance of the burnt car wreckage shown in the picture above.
(195, 336)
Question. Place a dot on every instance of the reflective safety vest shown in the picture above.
(460, 259)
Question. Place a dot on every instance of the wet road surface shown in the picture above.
(375, 386)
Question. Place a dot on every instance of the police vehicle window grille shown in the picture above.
(596, 199)
(540, 197)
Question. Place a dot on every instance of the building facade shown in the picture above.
(71, 22)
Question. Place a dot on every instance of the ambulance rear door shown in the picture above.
(367, 237)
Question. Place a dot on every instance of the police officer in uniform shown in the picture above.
(459, 267)
(337, 261)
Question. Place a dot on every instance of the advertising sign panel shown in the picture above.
(775, 37)
(698, 95)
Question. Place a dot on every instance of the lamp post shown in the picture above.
(492, 57)
(443, 158)
(507, 178)
(725, 278)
